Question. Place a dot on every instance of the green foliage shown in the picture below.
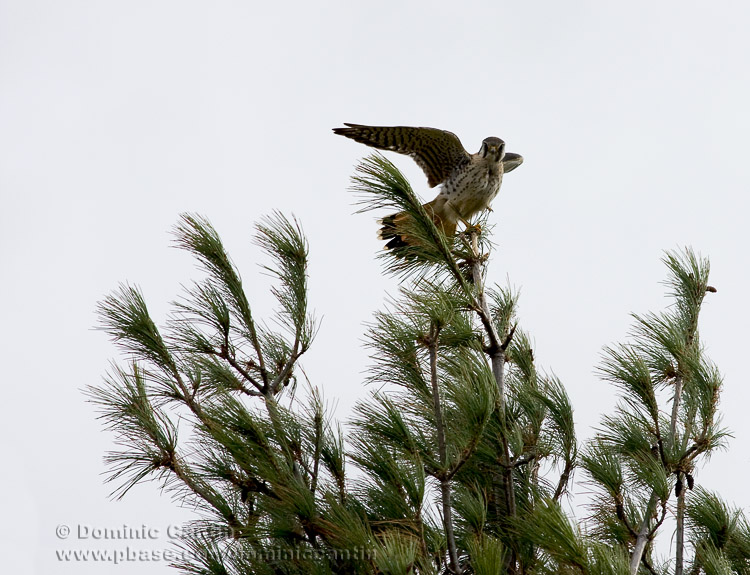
(147, 435)
(397, 553)
(487, 553)
(381, 185)
(719, 534)
(267, 473)
(456, 462)
(607, 560)
(666, 420)
(478, 433)
(549, 528)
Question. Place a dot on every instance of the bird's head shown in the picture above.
(493, 148)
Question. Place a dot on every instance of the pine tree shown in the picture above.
(646, 452)
(456, 464)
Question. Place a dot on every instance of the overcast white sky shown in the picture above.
(117, 116)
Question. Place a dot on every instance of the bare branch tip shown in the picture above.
(509, 337)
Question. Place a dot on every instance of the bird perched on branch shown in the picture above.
(469, 181)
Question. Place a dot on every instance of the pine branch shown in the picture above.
(124, 406)
(496, 351)
(205, 492)
(284, 242)
(677, 335)
(318, 438)
(432, 341)
(495, 348)
(225, 354)
(196, 235)
(381, 185)
(680, 529)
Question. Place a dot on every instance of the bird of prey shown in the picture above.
(469, 181)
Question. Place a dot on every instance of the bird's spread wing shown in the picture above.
(511, 161)
(437, 152)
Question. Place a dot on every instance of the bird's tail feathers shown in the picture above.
(394, 228)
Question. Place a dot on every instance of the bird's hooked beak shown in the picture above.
(493, 148)
(496, 152)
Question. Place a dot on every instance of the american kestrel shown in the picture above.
(469, 181)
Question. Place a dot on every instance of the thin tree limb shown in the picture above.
(642, 537)
(496, 351)
(680, 529)
(445, 486)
